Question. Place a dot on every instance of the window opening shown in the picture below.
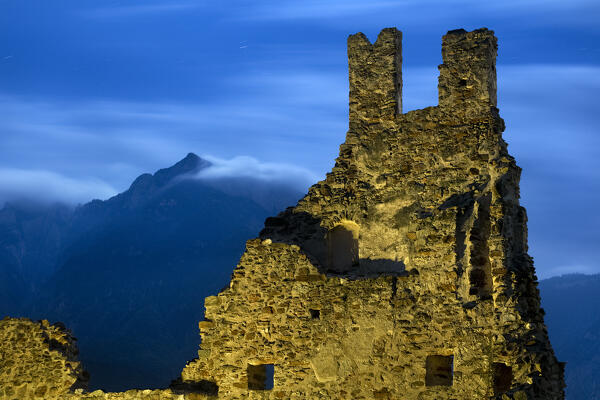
(439, 370)
(315, 314)
(503, 377)
(261, 376)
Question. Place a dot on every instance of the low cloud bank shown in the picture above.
(46, 187)
(249, 167)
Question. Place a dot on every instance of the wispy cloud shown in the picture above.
(121, 11)
(49, 187)
(305, 88)
(551, 116)
(317, 9)
(338, 9)
(416, 13)
(249, 167)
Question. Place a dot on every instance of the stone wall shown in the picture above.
(403, 274)
(37, 360)
(440, 302)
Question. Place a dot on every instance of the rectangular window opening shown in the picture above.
(503, 377)
(261, 376)
(439, 370)
(315, 314)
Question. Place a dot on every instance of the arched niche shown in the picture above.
(342, 247)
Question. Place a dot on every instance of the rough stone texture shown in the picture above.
(404, 274)
(37, 360)
(429, 200)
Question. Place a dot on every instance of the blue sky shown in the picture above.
(94, 93)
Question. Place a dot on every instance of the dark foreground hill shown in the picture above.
(129, 275)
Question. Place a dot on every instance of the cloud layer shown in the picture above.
(409, 13)
(48, 187)
(249, 167)
(124, 11)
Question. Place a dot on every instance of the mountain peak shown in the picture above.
(189, 164)
(149, 183)
(191, 156)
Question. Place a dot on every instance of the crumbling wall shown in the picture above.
(403, 274)
(37, 360)
(442, 302)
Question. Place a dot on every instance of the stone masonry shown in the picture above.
(403, 275)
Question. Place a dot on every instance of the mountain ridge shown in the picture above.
(131, 271)
(571, 303)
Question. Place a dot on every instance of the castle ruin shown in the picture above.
(403, 275)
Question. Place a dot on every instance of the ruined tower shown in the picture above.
(404, 274)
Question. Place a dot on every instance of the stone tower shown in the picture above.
(404, 274)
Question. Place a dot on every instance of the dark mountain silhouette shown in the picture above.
(30, 240)
(572, 305)
(129, 274)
